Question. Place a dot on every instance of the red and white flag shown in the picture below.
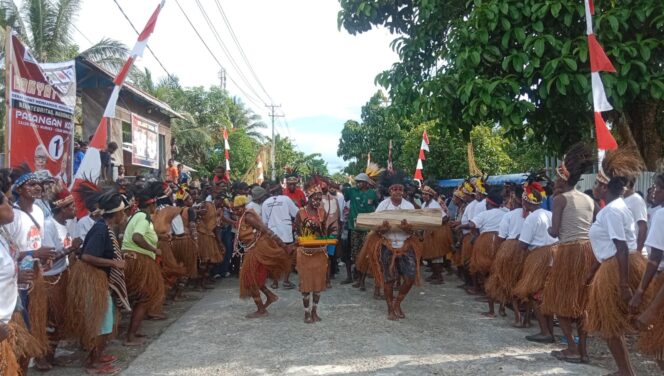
(390, 165)
(227, 149)
(599, 62)
(424, 146)
(90, 167)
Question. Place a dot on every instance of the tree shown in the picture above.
(523, 65)
(241, 117)
(372, 135)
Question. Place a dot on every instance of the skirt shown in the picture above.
(8, 363)
(263, 259)
(608, 314)
(565, 293)
(484, 251)
(466, 249)
(145, 283)
(56, 289)
(312, 268)
(87, 302)
(363, 259)
(506, 270)
(171, 269)
(185, 251)
(209, 250)
(651, 342)
(535, 271)
(38, 308)
(437, 243)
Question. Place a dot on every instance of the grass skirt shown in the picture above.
(466, 249)
(363, 259)
(312, 268)
(56, 290)
(437, 243)
(8, 363)
(185, 251)
(145, 283)
(535, 271)
(412, 243)
(266, 257)
(209, 250)
(565, 293)
(171, 269)
(651, 342)
(484, 252)
(87, 302)
(38, 308)
(506, 270)
(607, 312)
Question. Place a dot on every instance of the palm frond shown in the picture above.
(37, 13)
(59, 27)
(11, 16)
(107, 51)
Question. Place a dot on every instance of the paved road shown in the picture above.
(444, 334)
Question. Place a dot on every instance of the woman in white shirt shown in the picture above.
(506, 268)
(437, 243)
(541, 247)
(618, 266)
(651, 340)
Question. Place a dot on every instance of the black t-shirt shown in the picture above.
(105, 159)
(98, 243)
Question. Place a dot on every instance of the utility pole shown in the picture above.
(222, 78)
(274, 144)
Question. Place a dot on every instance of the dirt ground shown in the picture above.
(443, 334)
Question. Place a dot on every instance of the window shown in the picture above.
(126, 132)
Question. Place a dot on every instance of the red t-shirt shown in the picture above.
(297, 196)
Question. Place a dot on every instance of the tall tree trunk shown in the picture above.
(642, 118)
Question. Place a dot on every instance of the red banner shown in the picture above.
(42, 100)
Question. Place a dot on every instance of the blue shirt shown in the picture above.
(78, 158)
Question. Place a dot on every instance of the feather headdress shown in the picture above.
(578, 160)
(622, 162)
(373, 170)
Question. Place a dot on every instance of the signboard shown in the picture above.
(42, 100)
(144, 142)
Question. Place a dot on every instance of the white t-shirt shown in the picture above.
(83, 226)
(489, 220)
(255, 207)
(468, 214)
(651, 213)
(58, 237)
(637, 206)
(655, 237)
(278, 213)
(177, 225)
(8, 282)
(397, 237)
(26, 234)
(342, 204)
(535, 229)
(510, 226)
(613, 222)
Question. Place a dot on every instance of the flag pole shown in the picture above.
(9, 54)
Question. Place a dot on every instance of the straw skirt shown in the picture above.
(651, 342)
(565, 293)
(145, 283)
(607, 312)
(506, 270)
(312, 268)
(484, 251)
(535, 271)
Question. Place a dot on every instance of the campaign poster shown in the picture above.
(145, 142)
(42, 101)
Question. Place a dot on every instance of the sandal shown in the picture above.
(107, 369)
(288, 285)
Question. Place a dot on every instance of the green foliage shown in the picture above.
(288, 155)
(523, 65)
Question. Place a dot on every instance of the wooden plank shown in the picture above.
(420, 219)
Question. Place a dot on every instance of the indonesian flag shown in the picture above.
(390, 165)
(227, 148)
(599, 62)
(424, 146)
(90, 167)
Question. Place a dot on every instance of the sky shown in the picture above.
(321, 76)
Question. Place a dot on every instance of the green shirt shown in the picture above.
(360, 202)
(139, 224)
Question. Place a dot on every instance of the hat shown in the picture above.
(313, 190)
(480, 186)
(291, 175)
(363, 177)
(258, 192)
(240, 200)
(467, 188)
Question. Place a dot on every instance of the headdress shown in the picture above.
(150, 192)
(622, 162)
(388, 179)
(292, 175)
(458, 192)
(106, 200)
(480, 185)
(577, 161)
(240, 200)
(313, 185)
(533, 193)
(467, 188)
(62, 198)
(428, 190)
(21, 175)
(182, 193)
(495, 196)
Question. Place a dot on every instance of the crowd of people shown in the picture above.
(72, 262)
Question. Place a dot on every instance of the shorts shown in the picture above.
(405, 265)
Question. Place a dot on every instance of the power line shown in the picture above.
(237, 43)
(225, 50)
(170, 76)
(211, 53)
(83, 35)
